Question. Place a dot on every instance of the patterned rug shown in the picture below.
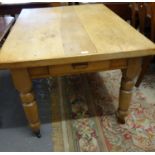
(83, 114)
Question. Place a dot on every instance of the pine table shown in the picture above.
(71, 40)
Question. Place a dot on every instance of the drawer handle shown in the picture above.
(80, 65)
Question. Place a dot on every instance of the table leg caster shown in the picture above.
(121, 121)
(37, 134)
(120, 118)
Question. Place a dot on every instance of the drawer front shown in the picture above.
(85, 67)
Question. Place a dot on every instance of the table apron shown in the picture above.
(77, 68)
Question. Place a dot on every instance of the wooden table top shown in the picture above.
(71, 34)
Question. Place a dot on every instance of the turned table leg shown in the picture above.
(127, 84)
(23, 84)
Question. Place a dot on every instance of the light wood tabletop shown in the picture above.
(71, 34)
(72, 40)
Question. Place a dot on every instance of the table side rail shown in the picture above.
(77, 68)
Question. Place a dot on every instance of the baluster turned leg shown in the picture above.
(127, 84)
(23, 84)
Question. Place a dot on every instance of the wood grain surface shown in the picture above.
(71, 34)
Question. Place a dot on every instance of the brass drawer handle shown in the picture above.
(80, 65)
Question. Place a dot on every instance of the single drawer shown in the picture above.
(85, 67)
(77, 68)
